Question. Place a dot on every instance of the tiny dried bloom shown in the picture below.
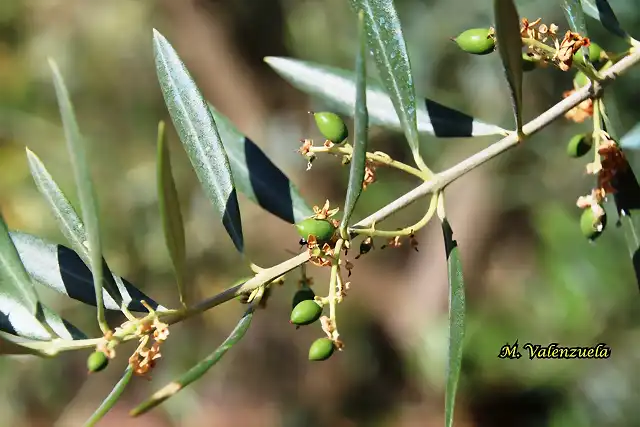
(393, 243)
(325, 212)
(580, 112)
(413, 242)
(307, 144)
(369, 174)
(571, 43)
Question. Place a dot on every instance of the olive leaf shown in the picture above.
(84, 185)
(198, 370)
(199, 135)
(170, 212)
(601, 10)
(68, 220)
(456, 320)
(575, 17)
(61, 269)
(631, 140)
(257, 177)
(510, 48)
(337, 87)
(386, 41)
(360, 139)
(110, 401)
(21, 312)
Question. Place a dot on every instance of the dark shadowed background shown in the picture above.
(530, 275)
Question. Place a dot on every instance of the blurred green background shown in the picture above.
(531, 276)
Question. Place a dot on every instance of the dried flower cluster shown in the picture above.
(144, 358)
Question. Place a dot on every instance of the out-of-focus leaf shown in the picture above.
(631, 140)
(386, 41)
(575, 17)
(199, 135)
(84, 185)
(198, 370)
(257, 177)
(456, 320)
(13, 345)
(61, 269)
(338, 88)
(601, 10)
(510, 48)
(360, 139)
(111, 399)
(170, 212)
(68, 221)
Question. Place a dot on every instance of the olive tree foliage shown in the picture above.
(227, 162)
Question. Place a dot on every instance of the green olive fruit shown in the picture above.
(303, 294)
(581, 79)
(306, 312)
(478, 41)
(588, 227)
(331, 126)
(97, 361)
(594, 53)
(528, 63)
(579, 145)
(321, 349)
(322, 229)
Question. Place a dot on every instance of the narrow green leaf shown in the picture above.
(631, 140)
(199, 135)
(84, 184)
(111, 399)
(575, 17)
(337, 88)
(257, 177)
(61, 269)
(510, 48)
(360, 139)
(385, 38)
(170, 212)
(68, 221)
(198, 370)
(456, 320)
(602, 11)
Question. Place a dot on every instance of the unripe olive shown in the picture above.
(97, 361)
(528, 63)
(594, 53)
(321, 349)
(331, 126)
(306, 312)
(478, 41)
(588, 227)
(303, 294)
(320, 228)
(581, 79)
(579, 145)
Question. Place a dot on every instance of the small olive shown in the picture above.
(331, 126)
(579, 145)
(594, 53)
(97, 361)
(588, 224)
(322, 229)
(580, 80)
(303, 294)
(306, 312)
(478, 41)
(529, 63)
(321, 349)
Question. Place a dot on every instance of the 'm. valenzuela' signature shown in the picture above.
(555, 351)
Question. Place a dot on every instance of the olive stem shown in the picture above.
(376, 157)
(335, 265)
(597, 128)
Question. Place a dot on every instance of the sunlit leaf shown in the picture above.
(510, 48)
(360, 139)
(602, 11)
(337, 88)
(257, 177)
(199, 135)
(170, 211)
(111, 399)
(575, 17)
(68, 221)
(61, 269)
(631, 140)
(198, 370)
(84, 185)
(386, 41)
(456, 320)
